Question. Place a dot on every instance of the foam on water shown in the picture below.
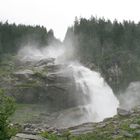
(101, 102)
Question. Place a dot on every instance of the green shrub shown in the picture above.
(7, 108)
(49, 136)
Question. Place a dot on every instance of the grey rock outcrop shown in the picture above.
(46, 82)
(21, 136)
(134, 126)
(123, 112)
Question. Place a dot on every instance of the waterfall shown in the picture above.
(90, 93)
(99, 102)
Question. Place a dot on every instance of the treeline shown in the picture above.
(13, 36)
(114, 48)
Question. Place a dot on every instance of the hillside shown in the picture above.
(113, 47)
(64, 90)
(13, 36)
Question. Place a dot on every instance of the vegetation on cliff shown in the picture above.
(13, 36)
(112, 46)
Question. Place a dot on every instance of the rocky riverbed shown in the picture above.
(125, 125)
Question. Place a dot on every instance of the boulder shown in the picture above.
(134, 126)
(123, 112)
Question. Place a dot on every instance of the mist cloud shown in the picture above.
(131, 97)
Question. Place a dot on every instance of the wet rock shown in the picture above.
(123, 112)
(55, 68)
(115, 122)
(46, 61)
(134, 126)
(101, 125)
(23, 73)
(83, 129)
(21, 136)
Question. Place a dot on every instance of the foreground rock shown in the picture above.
(123, 112)
(21, 136)
(115, 128)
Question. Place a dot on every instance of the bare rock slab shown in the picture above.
(21, 136)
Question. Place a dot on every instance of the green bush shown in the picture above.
(7, 108)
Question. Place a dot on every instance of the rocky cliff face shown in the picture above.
(42, 81)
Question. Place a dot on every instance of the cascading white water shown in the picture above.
(97, 98)
(101, 101)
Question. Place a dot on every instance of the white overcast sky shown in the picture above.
(59, 14)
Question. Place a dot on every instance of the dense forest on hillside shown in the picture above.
(13, 36)
(113, 47)
(55, 98)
